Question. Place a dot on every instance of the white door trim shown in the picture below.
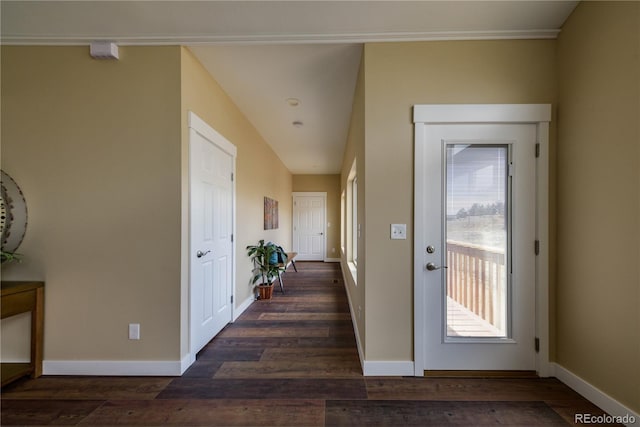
(539, 114)
(322, 194)
(196, 124)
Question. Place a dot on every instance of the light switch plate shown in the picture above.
(398, 231)
(134, 331)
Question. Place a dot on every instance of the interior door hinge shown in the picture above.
(510, 169)
(537, 247)
(537, 149)
(232, 238)
(231, 176)
(231, 299)
(537, 344)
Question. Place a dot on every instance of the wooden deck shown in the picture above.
(462, 322)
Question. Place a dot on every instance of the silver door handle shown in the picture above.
(431, 266)
(200, 254)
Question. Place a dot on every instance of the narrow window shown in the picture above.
(354, 220)
(351, 232)
(343, 219)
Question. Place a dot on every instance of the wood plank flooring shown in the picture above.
(290, 361)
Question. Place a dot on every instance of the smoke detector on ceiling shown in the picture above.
(104, 50)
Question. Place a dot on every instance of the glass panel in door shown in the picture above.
(477, 241)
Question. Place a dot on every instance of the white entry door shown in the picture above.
(309, 225)
(212, 164)
(475, 245)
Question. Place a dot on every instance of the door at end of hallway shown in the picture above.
(309, 225)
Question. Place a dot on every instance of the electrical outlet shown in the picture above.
(399, 231)
(134, 331)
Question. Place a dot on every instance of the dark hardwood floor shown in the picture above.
(290, 361)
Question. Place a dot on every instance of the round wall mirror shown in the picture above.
(13, 215)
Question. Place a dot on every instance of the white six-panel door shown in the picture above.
(309, 229)
(212, 163)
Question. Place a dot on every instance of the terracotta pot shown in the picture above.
(266, 291)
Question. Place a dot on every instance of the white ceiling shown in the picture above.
(322, 77)
(263, 52)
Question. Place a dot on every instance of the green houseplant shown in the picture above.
(265, 260)
(10, 256)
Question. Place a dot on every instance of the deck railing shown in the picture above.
(476, 279)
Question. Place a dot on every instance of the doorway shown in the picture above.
(309, 225)
(479, 220)
(212, 220)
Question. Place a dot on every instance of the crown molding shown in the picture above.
(8, 39)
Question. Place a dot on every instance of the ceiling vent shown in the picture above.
(104, 50)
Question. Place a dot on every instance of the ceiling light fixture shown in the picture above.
(297, 124)
(294, 102)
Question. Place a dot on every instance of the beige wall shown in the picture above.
(95, 146)
(329, 184)
(354, 151)
(259, 173)
(398, 76)
(598, 292)
(100, 151)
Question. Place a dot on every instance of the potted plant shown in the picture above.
(10, 256)
(265, 257)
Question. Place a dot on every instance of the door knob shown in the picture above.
(431, 266)
(200, 254)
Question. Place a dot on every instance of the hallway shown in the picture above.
(289, 361)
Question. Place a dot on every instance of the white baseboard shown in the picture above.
(353, 321)
(186, 362)
(171, 368)
(332, 260)
(127, 367)
(377, 368)
(393, 368)
(595, 395)
(16, 359)
(242, 307)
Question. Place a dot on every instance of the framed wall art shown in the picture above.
(270, 214)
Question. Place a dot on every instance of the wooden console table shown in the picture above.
(22, 297)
